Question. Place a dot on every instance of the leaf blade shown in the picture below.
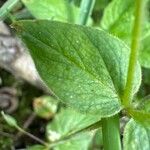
(118, 19)
(61, 131)
(81, 73)
(60, 10)
(136, 137)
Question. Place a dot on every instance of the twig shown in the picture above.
(27, 123)
(33, 137)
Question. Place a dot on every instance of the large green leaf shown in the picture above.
(66, 123)
(60, 10)
(136, 137)
(85, 67)
(118, 19)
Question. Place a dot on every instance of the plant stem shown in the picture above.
(26, 125)
(127, 97)
(86, 7)
(7, 7)
(32, 136)
(111, 133)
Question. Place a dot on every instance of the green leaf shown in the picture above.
(145, 104)
(146, 79)
(142, 112)
(80, 142)
(37, 147)
(97, 141)
(136, 137)
(85, 67)
(140, 116)
(45, 106)
(10, 120)
(66, 123)
(60, 10)
(118, 19)
(145, 47)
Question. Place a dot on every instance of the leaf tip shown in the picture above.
(9, 119)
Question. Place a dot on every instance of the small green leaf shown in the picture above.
(80, 142)
(145, 104)
(65, 124)
(145, 47)
(146, 78)
(118, 18)
(68, 122)
(45, 106)
(141, 116)
(85, 67)
(141, 113)
(97, 141)
(60, 10)
(37, 147)
(136, 137)
(10, 120)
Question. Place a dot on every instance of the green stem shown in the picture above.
(127, 97)
(7, 7)
(86, 7)
(111, 133)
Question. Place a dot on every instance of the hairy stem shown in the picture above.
(111, 133)
(127, 97)
(86, 7)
